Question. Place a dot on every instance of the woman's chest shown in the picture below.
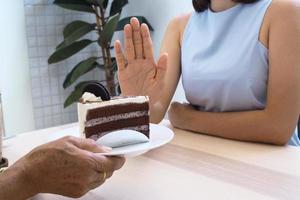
(226, 79)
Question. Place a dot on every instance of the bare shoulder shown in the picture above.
(282, 15)
(178, 23)
(287, 11)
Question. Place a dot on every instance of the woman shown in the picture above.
(69, 166)
(240, 65)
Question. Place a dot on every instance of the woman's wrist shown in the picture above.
(182, 116)
(185, 119)
(157, 112)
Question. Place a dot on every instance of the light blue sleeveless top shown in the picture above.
(224, 65)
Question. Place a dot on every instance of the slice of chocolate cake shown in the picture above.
(97, 118)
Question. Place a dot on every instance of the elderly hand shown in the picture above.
(179, 115)
(69, 166)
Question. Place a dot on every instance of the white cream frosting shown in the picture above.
(89, 98)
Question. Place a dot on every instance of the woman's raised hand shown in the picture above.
(138, 72)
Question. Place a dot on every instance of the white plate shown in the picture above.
(159, 136)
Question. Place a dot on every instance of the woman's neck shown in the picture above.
(221, 5)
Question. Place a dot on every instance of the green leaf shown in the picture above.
(95, 2)
(74, 96)
(62, 44)
(109, 29)
(105, 3)
(68, 51)
(77, 26)
(79, 70)
(76, 30)
(126, 20)
(77, 5)
(116, 6)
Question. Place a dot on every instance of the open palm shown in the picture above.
(138, 72)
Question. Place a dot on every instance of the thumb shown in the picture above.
(162, 66)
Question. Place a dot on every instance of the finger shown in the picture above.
(147, 42)
(121, 61)
(119, 162)
(162, 67)
(96, 185)
(88, 145)
(107, 164)
(137, 38)
(100, 179)
(129, 47)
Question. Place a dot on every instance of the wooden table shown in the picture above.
(192, 166)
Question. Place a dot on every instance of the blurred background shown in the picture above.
(31, 90)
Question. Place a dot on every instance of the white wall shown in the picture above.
(159, 13)
(14, 71)
(44, 25)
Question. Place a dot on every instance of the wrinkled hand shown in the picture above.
(69, 166)
(179, 115)
(138, 72)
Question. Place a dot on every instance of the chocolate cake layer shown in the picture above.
(115, 109)
(116, 125)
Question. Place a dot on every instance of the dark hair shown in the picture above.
(202, 5)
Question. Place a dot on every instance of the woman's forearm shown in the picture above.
(252, 126)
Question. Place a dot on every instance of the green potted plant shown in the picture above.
(106, 24)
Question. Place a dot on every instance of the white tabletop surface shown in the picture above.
(192, 166)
